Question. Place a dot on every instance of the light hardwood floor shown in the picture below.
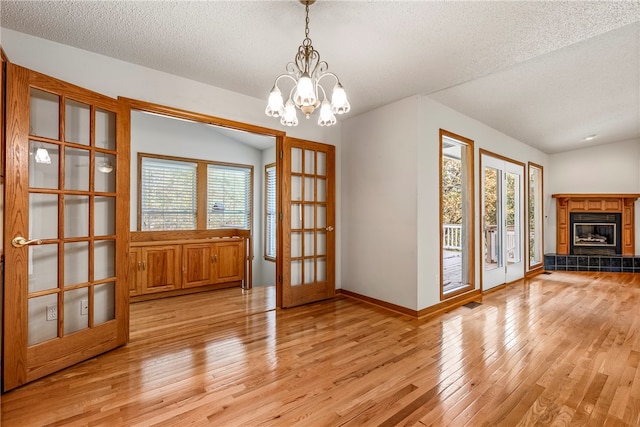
(560, 349)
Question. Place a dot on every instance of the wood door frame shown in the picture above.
(163, 110)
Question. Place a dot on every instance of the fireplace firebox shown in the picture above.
(595, 233)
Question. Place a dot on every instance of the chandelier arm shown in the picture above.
(293, 79)
(328, 73)
(324, 94)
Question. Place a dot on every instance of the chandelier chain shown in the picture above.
(306, 26)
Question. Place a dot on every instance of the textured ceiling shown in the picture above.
(546, 73)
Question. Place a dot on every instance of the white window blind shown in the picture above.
(270, 212)
(229, 195)
(169, 196)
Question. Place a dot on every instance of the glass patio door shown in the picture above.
(502, 220)
(66, 225)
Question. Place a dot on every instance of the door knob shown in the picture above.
(20, 241)
(329, 228)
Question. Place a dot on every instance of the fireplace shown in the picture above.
(595, 233)
(595, 224)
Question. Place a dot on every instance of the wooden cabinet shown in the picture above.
(208, 263)
(177, 267)
(135, 270)
(154, 269)
(228, 265)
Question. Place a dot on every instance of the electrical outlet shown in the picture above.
(84, 307)
(52, 312)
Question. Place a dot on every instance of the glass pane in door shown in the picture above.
(513, 218)
(104, 297)
(77, 124)
(44, 109)
(535, 215)
(43, 267)
(76, 310)
(492, 242)
(43, 319)
(105, 129)
(43, 165)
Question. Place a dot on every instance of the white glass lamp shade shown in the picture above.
(339, 103)
(42, 156)
(275, 105)
(326, 118)
(289, 118)
(305, 95)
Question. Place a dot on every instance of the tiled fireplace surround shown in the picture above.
(562, 260)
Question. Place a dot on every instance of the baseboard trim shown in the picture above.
(439, 308)
(451, 303)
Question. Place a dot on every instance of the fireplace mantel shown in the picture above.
(615, 203)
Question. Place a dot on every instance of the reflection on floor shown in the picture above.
(149, 317)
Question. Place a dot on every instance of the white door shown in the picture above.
(502, 220)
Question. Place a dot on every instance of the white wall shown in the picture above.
(115, 78)
(379, 223)
(610, 168)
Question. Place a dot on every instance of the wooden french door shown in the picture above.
(308, 233)
(66, 225)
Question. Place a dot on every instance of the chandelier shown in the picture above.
(307, 94)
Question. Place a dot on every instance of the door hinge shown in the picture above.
(281, 216)
(280, 279)
(281, 154)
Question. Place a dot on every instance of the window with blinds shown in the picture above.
(228, 196)
(270, 212)
(168, 194)
(170, 187)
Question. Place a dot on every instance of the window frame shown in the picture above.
(539, 221)
(467, 145)
(201, 186)
(267, 254)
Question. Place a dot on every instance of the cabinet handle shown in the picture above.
(212, 258)
(139, 265)
(144, 265)
(215, 258)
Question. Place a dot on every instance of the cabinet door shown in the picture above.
(197, 260)
(160, 268)
(135, 269)
(228, 265)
